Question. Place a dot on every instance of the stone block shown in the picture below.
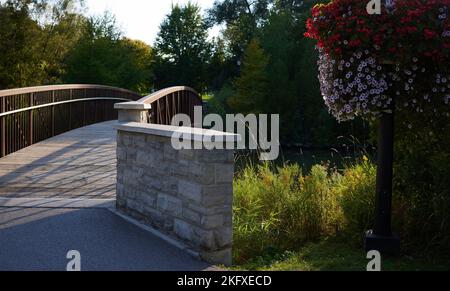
(134, 205)
(121, 153)
(221, 257)
(170, 204)
(147, 159)
(201, 173)
(224, 237)
(192, 216)
(183, 229)
(190, 191)
(186, 154)
(212, 221)
(169, 153)
(148, 199)
(203, 239)
(224, 173)
(216, 195)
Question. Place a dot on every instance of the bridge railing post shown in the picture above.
(133, 112)
(30, 120)
(2, 128)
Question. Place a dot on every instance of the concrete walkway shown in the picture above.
(58, 196)
(78, 164)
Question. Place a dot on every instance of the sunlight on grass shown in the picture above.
(207, 97)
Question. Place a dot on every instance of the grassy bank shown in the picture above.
(336, 255)
(288, 218)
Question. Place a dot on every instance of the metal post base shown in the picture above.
(384, 244)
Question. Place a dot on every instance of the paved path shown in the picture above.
(78, 164)
(38, 239)
(57, 196)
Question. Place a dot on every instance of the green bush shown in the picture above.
(422, 184)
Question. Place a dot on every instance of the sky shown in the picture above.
(140, 19)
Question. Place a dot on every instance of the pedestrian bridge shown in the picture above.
(59, 171)
(79, 164)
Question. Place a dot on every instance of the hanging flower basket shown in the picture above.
(366, 61)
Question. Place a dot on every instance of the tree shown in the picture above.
(242, 19)
(182, 49)
(62, 25)
(103, 56)
(35, 37)
(19, 37)
(94, 57)
(253, 84)
(219, 66)
(136, 68)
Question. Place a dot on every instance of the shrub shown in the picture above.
(422, 187)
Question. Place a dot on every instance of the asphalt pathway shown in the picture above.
(39, 239)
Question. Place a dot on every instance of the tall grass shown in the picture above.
(278, 209)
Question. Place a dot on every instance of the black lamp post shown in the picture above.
(381, 237)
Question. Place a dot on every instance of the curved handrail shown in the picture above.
(167, 103)
(37, 89)
(164, 92)
(61, 103)
(162, 106)
(30, 115)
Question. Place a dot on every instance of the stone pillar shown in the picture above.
(186, 194)
(133, 112)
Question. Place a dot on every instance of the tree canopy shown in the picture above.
(52, 41)
(182, 49)
(259, 63)
(103, 56)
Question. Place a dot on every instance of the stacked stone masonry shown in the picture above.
(186, 194)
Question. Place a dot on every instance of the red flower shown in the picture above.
(355, 43)
(333, 22)
(429, 34)
(378, 39)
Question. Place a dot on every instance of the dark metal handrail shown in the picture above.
(60, 103)
(30, 115)
(166, 103)
(18, 91)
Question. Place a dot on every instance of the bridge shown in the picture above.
(70, 176)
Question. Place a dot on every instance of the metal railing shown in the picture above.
(30, 115)
(167, 103)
